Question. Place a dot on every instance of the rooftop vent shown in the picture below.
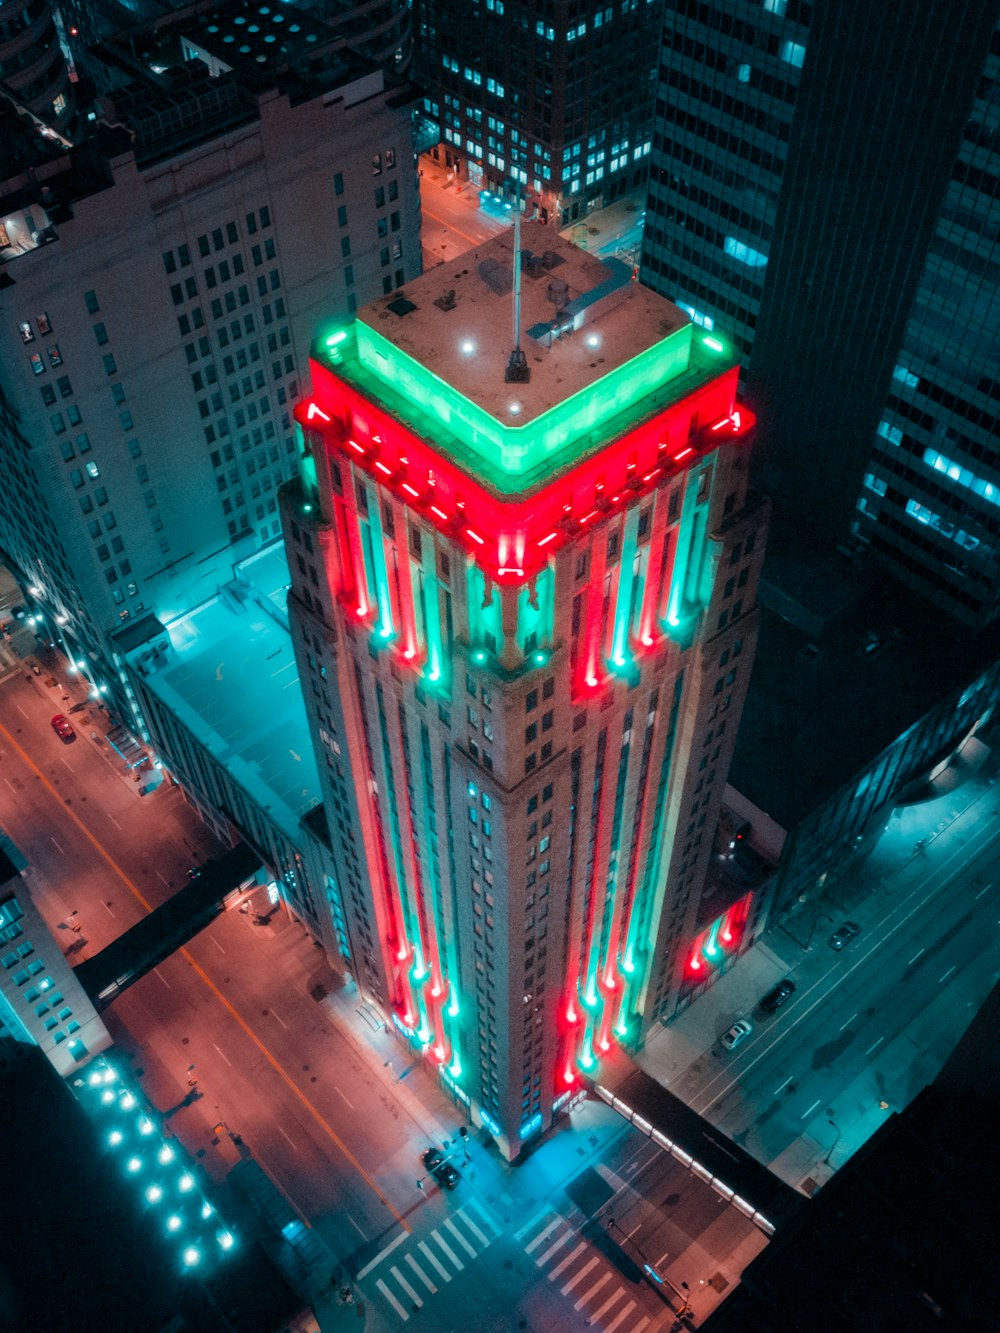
(446, 301)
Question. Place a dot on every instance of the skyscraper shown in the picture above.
(159, 286)
(33, 69)
(523, 606)
(809, 198)
(556, 99)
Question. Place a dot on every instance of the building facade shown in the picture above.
(34, 71)
(524, 613)
(808, 198)
(553, 101)
(155, 332)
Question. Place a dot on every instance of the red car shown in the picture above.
(63, 728)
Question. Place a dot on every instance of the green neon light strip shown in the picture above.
(620, 647)
(307, 465)
(431, 603)
(517, 459)
(484, 621)
(677, 605)
(385, 629)
(530, 620)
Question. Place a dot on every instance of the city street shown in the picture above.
(867, 1027)
(248, 1031)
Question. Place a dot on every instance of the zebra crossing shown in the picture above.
(582, 1275)
(411, 1275)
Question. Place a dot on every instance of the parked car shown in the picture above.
(63, 728)
(777, 996)
(737, 1033)
(842, 934)
(446, 1175)
(431, 1158)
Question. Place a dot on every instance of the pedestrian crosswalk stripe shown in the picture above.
(529, 1226)
(564, 1263)
(448, 1250)
(450, 1224)
(591, 1263)
(592, 1291)
(421, 1274)
(475, 1230)
(542, 1234)
(599, 1314)
(417, 1300)
(557, 1245)
(422, 1245)
(610, 1328)
(637, 1328)
(485, 1216)
(403, 1313)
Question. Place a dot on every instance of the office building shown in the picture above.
(523, 603)
(156, 323)
(34, 73)
(41, 1002)
(810, 199)
(551, 102)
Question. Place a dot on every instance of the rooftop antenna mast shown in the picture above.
(518, 370)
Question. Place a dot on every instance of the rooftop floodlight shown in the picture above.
(128, 1101)
(115, 1137)
(134, 1163)
(154, 1194)
(713, 344)
(173, 1222)
(186, 1182)
(107, 1096)
(467, 346)
(225, 1239)
(192, 1256)
(593, 340)
(166, 1154)
(145, 1125)
(207, 1210)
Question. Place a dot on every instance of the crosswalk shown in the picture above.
(413, 1273)
(582, 1275)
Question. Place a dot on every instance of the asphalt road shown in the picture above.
(874, 1023)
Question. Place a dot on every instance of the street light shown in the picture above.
(829, 1151)
(650, 1270)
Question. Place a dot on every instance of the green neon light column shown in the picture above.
(621, 652)
(536, 619)
(430, 600)
(485, 621)
(307, 465)
(677, 605)
(375, 551)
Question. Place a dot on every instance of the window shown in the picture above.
(55, 356)
(91, 302)
(26, 332)
(37, 364)
(377, 164)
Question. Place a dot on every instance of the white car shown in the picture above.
(737, 1033)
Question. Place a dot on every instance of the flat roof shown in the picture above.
(232, 680)
(603, 353)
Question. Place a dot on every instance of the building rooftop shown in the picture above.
(230, 676)
(604, 353)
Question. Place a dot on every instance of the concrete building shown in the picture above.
(227, 202)
(523, 605)
(810, 200)
(549, 101)
(34, 74)
(41, 1002)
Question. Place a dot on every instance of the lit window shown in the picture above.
(794, 53)
(744, 253)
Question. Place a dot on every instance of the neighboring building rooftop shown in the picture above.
(603, 352)
(230, 678)
(829, 692)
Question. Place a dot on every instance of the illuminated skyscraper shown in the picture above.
(524, 615)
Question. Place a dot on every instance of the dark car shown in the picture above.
(446, 1175)
(844, 933)
(431, 1158)
(777, 996)
(63, 728)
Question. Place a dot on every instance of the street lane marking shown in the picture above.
(403, 1313)
(597, 1314)
(217, 944)
(590, 1264)
(449, 1223)
(542, 1258)
(349, 1103)
(210, 984)
(20, 710)
(981, 892)
(610, 1328)
(114, 821)
(637, 1328)
(417, 1300)
(916, 956)
(421, 1274)
(285, 1136)
(433, 1259)
(811, 1109)
(274, 1015)
(487, 1219)
(475, 1230)
(356, 1227)
(574, 1253)
(872, 1047)
(380, 1256)
(448, 1250)
(849, 1021)
(450, 226)
(947, 974)
(541, 1235)
(528, 1226)
(162, 978)
(56, 845)
(592, 1291)
(164, 878)
(107, 908)
(224, 1056)
(784, 1085)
